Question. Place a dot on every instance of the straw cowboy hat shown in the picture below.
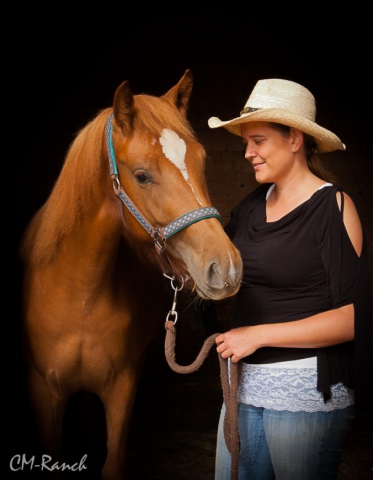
(285, 102)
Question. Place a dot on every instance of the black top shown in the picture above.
(298, 266)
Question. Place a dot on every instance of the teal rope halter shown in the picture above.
(159, 235)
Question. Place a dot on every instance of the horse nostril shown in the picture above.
(214, 276)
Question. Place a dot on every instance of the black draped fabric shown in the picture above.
(298, 266)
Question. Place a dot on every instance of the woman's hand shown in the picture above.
(238, 343)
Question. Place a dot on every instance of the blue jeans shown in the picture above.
(285, 445)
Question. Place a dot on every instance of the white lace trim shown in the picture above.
(288, 388)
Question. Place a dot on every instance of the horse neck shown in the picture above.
(96, 240)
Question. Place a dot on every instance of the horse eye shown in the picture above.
(142, 177)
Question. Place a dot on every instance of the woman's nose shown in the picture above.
(249, 153)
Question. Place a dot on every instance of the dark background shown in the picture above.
(64, 66)
(68, 67)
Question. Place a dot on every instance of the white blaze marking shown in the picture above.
(174, 149)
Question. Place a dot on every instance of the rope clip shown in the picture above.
(173, 311)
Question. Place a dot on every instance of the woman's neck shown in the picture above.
(289, 194)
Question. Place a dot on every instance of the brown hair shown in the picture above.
(310, 148)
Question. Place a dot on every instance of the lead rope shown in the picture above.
(229, 380)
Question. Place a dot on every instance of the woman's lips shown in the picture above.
(256, 166)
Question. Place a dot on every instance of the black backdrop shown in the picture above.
(63, 69)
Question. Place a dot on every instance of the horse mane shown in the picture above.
(83, 165)
(70, 194)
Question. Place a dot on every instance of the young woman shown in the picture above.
(302, 327)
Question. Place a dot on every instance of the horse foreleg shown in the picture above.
(118, 403)
(48, 407)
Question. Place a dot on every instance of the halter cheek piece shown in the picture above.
(159, 235)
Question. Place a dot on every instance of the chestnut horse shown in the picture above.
(129, 208)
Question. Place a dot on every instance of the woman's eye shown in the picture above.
(142, 177)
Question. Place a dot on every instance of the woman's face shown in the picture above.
(269, 151)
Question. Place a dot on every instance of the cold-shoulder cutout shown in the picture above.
(351, 221)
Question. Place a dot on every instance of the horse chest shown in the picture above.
(82, 363)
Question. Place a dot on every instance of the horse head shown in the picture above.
(159, 174)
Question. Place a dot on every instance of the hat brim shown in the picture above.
(326, 140)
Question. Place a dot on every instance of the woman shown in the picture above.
(302, 326)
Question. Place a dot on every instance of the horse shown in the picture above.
(129, 211)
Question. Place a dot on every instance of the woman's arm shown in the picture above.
(321, 330)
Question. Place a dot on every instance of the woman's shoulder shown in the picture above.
(340, 209)
(338, 196)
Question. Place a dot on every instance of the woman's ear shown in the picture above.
(296, 139)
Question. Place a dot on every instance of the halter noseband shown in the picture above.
(159, 235)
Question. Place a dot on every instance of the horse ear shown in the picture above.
(179, 95)
(123, 106)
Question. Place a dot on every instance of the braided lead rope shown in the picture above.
(229, 380)
(170, 343)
